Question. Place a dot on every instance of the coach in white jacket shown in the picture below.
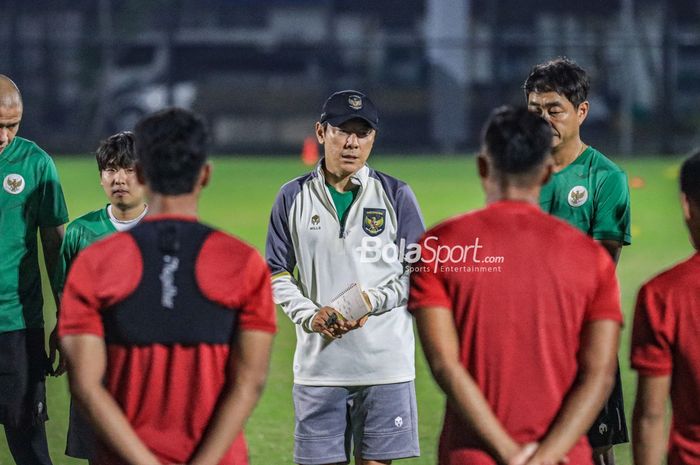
(341, 224)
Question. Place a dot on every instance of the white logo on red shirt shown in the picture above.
(167, 279)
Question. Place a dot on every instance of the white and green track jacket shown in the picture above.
(305, 233)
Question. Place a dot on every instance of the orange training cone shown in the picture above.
(309, 151)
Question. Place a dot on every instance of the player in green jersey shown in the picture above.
(115, 162)
(587, 190)
(31, 200)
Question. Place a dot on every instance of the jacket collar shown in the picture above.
(360, 177)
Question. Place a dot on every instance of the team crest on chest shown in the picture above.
(13, 183)
(577, 196)
(373, 221)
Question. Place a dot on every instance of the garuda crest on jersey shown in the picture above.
(577, 196)
(373, 221)
(13, 183)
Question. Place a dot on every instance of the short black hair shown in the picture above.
(171, 147)
(562, 76)
(690, 177)
(516, 140)
(116, 151)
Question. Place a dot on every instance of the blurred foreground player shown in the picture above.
(525, 353)
(31, 199)
(666, 348)
(116, 164)
(588, 191)
(176, 318)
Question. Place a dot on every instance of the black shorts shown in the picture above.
(80, 440)
(610, 427)
(23, 366)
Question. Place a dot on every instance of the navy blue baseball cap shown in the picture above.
(346, 105)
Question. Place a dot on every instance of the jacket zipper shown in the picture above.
(347, 212)
(330, 200)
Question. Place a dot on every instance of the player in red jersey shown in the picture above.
(518, 313)
(666, 348)
(167, 328)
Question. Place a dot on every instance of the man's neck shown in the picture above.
(339, 182)
(184, 205)
(564, 156)
(127, 213)
(499, 193)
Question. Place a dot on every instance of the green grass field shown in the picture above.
(239, 200)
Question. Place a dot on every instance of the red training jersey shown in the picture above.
(168, 297)
(666, 341)
(521, 285)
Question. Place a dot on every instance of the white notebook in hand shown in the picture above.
(351, 303)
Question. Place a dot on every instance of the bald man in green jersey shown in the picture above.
(31, 201)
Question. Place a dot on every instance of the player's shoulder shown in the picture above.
(529, 217)
(114, 243)
(397, 191)
(601, 164)
(292, 187)
(28, 145)
(226, 251)
(453, 223)
(225, 259)
(290, 191)
(118, 251)
(31, 151)
(224, 240)
(389, 183)
(460, 224)
(87, 221)
(677, 276)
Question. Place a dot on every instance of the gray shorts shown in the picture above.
(381, 421)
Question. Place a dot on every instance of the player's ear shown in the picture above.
(139, 173)
(691, 211)
(582, 112)
(547, 171)
(684, 205)
(320, 132)
(691, 214)
(205, 174)
(482, 165)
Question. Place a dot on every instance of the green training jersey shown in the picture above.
(31, 198)
(591, 194)
(80, 233)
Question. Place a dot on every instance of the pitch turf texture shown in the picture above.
(239, 199)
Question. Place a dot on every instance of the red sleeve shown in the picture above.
(605, 304)
(93, 283)
(652, 335)
(427, 284)
(235, 275)
(258, 309)
(80, 305)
